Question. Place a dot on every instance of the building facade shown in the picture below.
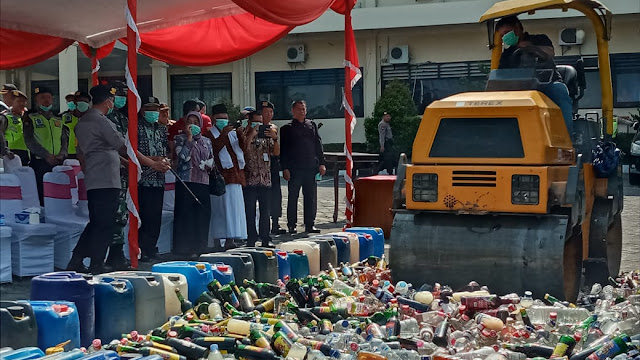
(436, 46)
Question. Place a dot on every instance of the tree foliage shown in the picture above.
(396, 100)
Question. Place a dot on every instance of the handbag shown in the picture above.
(216, 182)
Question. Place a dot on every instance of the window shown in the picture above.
(626, 80)
(478, 138)
(434, 81)
(54, 85)
(321, 89)
(211, 88)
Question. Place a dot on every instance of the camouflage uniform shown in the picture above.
(122, 217)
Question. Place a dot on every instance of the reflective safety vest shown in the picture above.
(14, 134)
(70, 121)
(48, 132)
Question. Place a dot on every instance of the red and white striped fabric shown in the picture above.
(28, 185)
(73, 183)
(169, 191)
(57, 194)
(10, 196)
(74, 163)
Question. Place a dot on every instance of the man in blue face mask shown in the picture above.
(45, 135)
(153, 143)
(540, 48)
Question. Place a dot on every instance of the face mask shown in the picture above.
(221, 123)
(109, 111)
(82, 106)
(255, 124)
(245, 123)
(71, 105)
(151, 116)
(510, 38)
(45, 108)
(195, 129)
(120, 101)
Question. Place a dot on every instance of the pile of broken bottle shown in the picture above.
(357, 312)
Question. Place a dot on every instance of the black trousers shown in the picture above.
(275, 194)
(150, 200)
(262, 195)
(41, 167)
(305, 179)
(98, 234)
(386, 161)
(23, 155)
(191, 221)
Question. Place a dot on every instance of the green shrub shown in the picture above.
(396, 99)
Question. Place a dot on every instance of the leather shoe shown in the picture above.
(292, 230)
(312, 230)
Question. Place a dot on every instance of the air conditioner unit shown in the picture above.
(571, 36)
(295, 53)
(399, 54)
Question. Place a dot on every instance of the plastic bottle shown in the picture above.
(490, 322)
(214, 353)
(215, 311)
(297, 352)
(239, 327)
(610, 349)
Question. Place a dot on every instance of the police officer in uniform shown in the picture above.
(78, 104)
(46, 137)
(118, 117)
(11, 129)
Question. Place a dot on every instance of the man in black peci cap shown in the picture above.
(45, 135)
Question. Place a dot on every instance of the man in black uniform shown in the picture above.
(301, 158)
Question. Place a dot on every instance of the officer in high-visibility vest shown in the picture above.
(12, 128)
(78, 104)
(45, 135)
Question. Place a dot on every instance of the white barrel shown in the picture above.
(310, 248)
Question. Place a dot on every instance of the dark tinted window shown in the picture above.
(321, 88)
(478, 138)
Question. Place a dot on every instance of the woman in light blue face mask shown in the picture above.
(195, 160)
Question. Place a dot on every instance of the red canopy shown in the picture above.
(197, 33)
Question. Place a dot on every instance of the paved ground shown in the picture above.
(19, 289)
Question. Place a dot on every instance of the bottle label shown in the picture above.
(560, 350)
(281, 345)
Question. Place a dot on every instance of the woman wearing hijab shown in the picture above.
(228, 221)
(194, 154)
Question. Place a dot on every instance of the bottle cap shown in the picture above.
(553, 315)
(298, 251)
(462, 308)
(173, 278)
(200, 266)
(172, 334)
(282, 253)
(96, 343)
(213, 347)
(268, 252)
(223, 268)
(60, 308)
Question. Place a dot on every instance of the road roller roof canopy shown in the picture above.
(600, 17)
(516, 7)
